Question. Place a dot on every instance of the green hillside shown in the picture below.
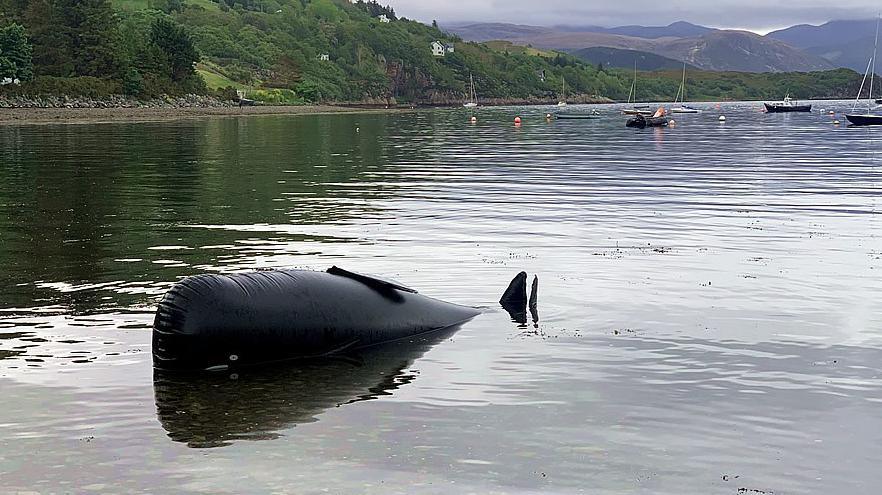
(296, 51)
(621, 58)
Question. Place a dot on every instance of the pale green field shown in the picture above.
(214, 80)
(133, 5)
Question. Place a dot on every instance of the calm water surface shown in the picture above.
(710, 318)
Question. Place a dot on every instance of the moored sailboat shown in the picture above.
(867, 118)
(681, 96)
(473, 96)
(563, 93)
(632, 99)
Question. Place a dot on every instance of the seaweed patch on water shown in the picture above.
(624, 331)
(620, 252)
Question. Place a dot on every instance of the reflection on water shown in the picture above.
(212, 410)
(709, 315)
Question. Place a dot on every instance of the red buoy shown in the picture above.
(517, 120)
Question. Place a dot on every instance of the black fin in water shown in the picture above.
(516, 293)
(534, 299)
(534, 292)
(384, 287)
(514, 299)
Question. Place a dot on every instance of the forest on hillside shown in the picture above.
(298, 51)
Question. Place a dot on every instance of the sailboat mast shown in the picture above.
(873, 71)
(635, 81)
(683, 84)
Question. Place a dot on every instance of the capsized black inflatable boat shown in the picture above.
(218, 321)
(641, 122)
(216, 409)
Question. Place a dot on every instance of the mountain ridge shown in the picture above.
(716, 49)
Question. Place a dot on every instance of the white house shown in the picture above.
(440, 49)
(324, 57)
(383, 18)
(9, 80)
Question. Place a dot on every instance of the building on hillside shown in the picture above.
(324, 57)
(9, 80)
(383, 18)
(541, 74)
(440, 49)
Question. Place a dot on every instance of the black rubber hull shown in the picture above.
(641, 122)
(210, 321)
(863, 120)
(787, 108)
(215, 409)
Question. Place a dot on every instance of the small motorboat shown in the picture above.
(638, 110)
(578, 115)
(685, 109)
(640, 121)
(879, 101)
(788, 105)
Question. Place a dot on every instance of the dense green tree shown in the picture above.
(94, 39)
(51, 38)
(73, 37)
(175, 43)
(15, 54)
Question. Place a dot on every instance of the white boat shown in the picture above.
(563, 94)
(867, 118)
(681, 97)
(473, 96)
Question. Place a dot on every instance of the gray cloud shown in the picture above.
(760, 15)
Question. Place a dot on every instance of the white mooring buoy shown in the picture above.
(722, 118)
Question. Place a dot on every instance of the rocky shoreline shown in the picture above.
(73, 110)
(66, 109)
(115, 101)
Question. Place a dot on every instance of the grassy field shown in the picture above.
(135, 5)
(508, 46)
(214, 80)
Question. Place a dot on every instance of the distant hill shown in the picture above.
(712, 50)
(853, 54)
(742, 51)
(618, 58)
(678, 29)
(489, 31)
(842, 43)
(827, 34)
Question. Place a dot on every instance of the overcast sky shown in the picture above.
(756, 15)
